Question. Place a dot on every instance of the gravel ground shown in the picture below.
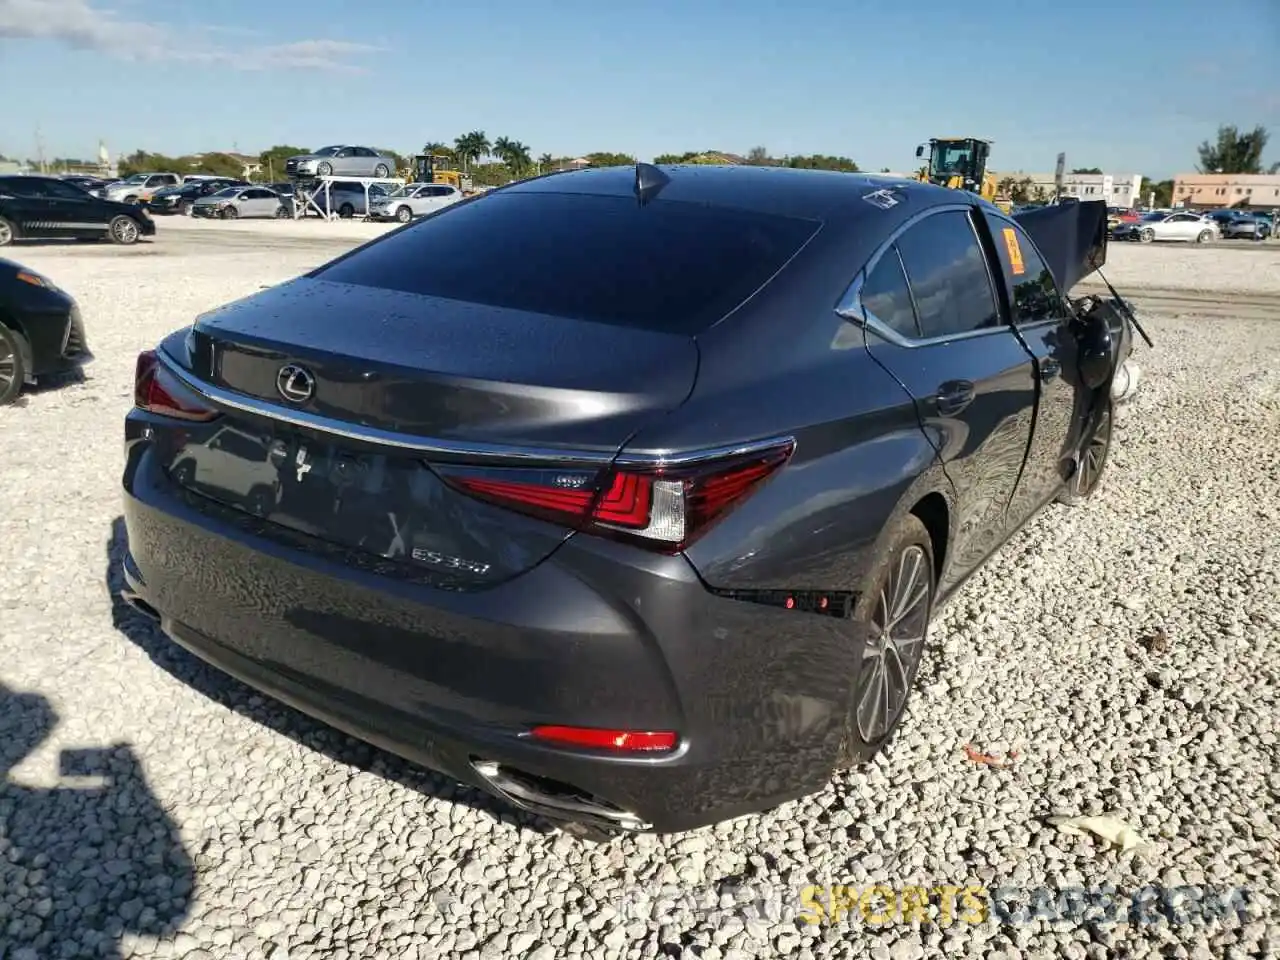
(1126, 650)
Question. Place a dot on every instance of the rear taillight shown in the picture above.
(663, 508)
(157, 391)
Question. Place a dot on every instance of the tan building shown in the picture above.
(1226, 190)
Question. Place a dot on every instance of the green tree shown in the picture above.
(434, 148)
(759, 157)
(675, 157)
(273, 160)
(1163, 190)
(1233, 152)
(545, 162)
(140, 161)
(820, 161)
(514, 154)
(602, 158)
(470, 147)
(1094, 170)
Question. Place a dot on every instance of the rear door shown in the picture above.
(1042, 320)
(935, 323)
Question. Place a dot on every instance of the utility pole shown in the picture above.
(40, 149)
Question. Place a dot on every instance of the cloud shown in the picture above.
(81, 25)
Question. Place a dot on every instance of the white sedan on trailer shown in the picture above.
(413, 200)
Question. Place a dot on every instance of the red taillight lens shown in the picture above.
(662, 508)
(157, 391)
(629, 741)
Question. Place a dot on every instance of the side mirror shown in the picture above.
(920, 151)
(1095, 346)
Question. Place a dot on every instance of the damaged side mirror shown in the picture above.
(1096, 349)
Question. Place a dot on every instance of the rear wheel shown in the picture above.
(894, 607)
(1093, 460)
(7, 232)
(281, 212)
(123, 230)
(12, 372)
(184, 208)
(1204, 236)
(346, 211)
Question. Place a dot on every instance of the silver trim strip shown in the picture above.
(450, 448)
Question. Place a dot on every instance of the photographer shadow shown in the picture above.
(82, 866)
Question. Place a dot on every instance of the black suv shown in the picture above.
(182, 198)
(34, 208)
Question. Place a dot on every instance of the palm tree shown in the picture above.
(502, 149)
(437, 149)
(470, 147)
(545, 161)
(518, 158)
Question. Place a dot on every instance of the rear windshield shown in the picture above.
(667, 266)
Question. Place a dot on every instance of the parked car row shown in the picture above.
(1189, 225)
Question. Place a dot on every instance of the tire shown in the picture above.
(346, 211)
(229, 213)
(281, 213)
(123, 230)
(382, 171)
(1205, 236)
(8, 232)
(903, 573)
(1094, 455)
(404, 214)
(12, 370)
(324, 170)
(185, 207)
(1146, 236)
(261, 500)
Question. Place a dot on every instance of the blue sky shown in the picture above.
(1127, 85)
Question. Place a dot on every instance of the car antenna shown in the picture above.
(649, 182)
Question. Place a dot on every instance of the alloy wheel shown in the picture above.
(1093, 458)
(6, 233)
(124, 230)
(898, 626)
(8, 367)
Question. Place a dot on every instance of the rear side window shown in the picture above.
(667, 266)
(886, 297)
(1032, 290)
(948, 275)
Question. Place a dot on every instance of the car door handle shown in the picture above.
(1049, 369)
(954, 396)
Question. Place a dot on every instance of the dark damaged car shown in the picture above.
(634, 507)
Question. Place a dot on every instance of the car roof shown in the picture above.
(824, 195)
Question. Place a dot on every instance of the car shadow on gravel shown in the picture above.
(81, 866)
(283, 719)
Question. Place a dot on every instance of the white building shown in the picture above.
(1118, 190)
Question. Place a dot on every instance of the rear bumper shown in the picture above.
(598, 635)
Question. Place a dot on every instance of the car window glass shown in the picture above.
(63, 191)
(886, 297)
(1033, 293)
(948, 275)
(667, 266)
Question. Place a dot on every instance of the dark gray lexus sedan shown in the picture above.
(627, 494)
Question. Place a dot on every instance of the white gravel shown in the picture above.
(223, 825)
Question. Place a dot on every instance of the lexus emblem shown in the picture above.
(296, 384)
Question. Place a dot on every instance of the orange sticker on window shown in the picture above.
(1015, 251)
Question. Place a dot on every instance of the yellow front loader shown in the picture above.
(960, 163)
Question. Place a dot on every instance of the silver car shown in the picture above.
(341, 161)
(233, 202)
(1159, 225)
(413, 200)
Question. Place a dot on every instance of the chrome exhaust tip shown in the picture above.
(553, 799)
